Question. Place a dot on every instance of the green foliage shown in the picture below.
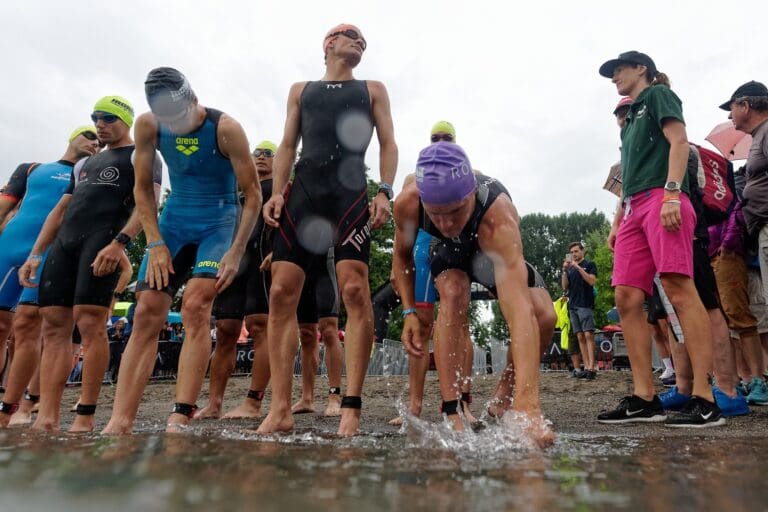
(603, 258)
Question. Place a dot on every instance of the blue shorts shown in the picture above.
(11, 291)
(197, 238)
(424, 283)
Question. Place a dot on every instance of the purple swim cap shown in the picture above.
(444, 174)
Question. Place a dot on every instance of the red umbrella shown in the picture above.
(730, 142)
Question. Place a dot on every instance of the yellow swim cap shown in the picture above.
(266, 144)
(82, 129)
(116, 105)
(443, 127)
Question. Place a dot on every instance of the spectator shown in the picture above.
(579, 276)
(165, 332)
(177, 334)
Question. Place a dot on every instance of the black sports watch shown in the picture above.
(672, 186)
(387, 189)
(122, 238)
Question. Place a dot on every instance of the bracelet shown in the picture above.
(671, 201)
(152, 245)
(409, 311)
(37, 257)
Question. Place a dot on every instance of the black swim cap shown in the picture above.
(168, 91)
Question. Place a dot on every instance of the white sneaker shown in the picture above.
(667, 373)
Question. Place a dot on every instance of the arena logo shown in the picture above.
(187, 145)
(208, 264)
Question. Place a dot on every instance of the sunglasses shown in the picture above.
(266, 153)
(447, 137)
(89, 135)
(352, 34)
(107, 118)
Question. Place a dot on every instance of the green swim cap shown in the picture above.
(116, 105)
(443, 127)
(82, 129)
(266, 144)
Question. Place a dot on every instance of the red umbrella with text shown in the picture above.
(730, 142)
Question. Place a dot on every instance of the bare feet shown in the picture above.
(250, 408)
(456, 422)
(177, 423)
(118, 426)
(398, 420)
(303, 406)
(276, 422)
(211, 411)
(4, 419)
(83, 423)
(334, 406)
(541, 432)
(467, 413)
(20, 418)
(350, 422)
(47, 424)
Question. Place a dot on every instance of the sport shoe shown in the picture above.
(758, 392)
(582, 374)
(697, 413)
(673, 400)
(667, 373)
(591, 375)
(634, 409)
(668, 382)
(741, 388)
(730, 406)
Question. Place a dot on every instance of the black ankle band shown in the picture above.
(8, 409)
(466, 397)
(85, 410)
(334, 391)
(450, 407)
(351, 402)
(187, 410)
(256, 395)
(32, 398)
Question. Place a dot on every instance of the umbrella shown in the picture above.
(730, 142)
(121, 308)
(613, 182)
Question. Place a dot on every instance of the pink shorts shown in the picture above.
(643, 247)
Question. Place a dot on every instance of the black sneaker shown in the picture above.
(632, 409)
(697, 413)
(582, 374)
(591, 375)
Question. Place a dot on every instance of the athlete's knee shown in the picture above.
(330, 335)
(257, 329)
(308, 336)
(628, 298)
(283, 297)
(227, 332)
(26, 319)
(454, 295)
(355, 292)
(196, 311)
(6, 323)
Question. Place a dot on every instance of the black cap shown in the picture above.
(748, 89)
(631, 57)
(168, 91)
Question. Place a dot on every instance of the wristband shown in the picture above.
(37, 257)
(152, 245)
(671, 200)
(409, 311)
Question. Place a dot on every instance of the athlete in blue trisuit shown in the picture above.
(208, 157)
(35, 189)
(327, 207)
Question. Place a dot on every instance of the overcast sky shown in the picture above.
(519, 82)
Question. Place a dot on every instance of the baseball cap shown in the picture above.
(750, 88)
(630, 57)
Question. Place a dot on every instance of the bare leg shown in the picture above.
(418, 367)
(723, 358)
(589, 342)
(26, 358)
(91, 321)
(329, 332)
(753, 354)
(222, 366)
(251, 407)
(138, 359)
(466, 375)
(24, 415)
(310, 360)
(55, 365)
(6, 327)
(355, 291)
(196, 350)
(629, 301)
(287, 282)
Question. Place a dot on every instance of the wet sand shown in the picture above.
(571, 404)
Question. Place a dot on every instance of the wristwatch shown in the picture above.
(672, 186)
(123, 239)
(387, 189)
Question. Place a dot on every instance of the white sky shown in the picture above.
(518, 79)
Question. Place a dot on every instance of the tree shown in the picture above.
(603, 258)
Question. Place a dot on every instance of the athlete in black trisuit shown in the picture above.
(87, 231)
(327, 207)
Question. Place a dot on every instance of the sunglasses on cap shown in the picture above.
(266, 153)
(447, 137)
(89, 135)
(352, 34)
(107, 118)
